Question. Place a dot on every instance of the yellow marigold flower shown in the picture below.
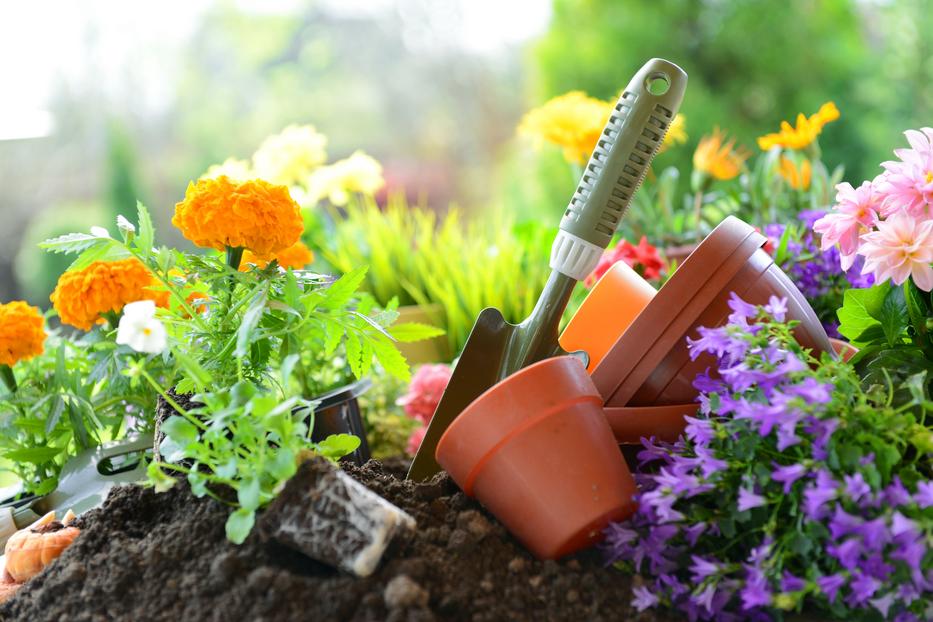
(232, 168)
(296, 256)
(289, 156)
(359, 173)
(256, 215)
(804, 133)
(797, 178)
(572, 121)
(82, 296)
(22, 332)
(676, 133)
(717, 158)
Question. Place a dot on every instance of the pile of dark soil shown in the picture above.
(149, 556)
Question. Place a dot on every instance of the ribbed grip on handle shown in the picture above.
(629, 142)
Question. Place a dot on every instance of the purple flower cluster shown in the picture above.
(787, 489)
(817, 273)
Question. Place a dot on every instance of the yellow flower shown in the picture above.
(359, 173)
(289, 156)
(797, 178)
(805, 132)
(81, 296)
(717, 158)
(676, 133)
(572, 121)
(232, 168)
(22, 332)
(256, 215)
(296, 256)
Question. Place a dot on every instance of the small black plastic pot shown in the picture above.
(338, 412)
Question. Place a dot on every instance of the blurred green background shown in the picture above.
(107, 101)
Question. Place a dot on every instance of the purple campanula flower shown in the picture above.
(901, 525)
(756, 592)
(856, 486)
(787, 435)
(710, 464)
(788, 475)
(693, 532)
(848, 553)
(875, 533)
(703, 568)
(818, 493)
(748, 500)
(924, 495)
(863, 587)
(830, 585)
(843, 524)
(811, 390)
(705, 598)
(883, 603)
(777, 308)
(791, 583)
(700, 431)
(896, 494)
(644, 598)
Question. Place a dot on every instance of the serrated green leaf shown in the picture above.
(355, 354)
(110, 250)
(71, 243)
(146, 236)
(36, 455)
(391, 360)
(408, 332)
(342, 290)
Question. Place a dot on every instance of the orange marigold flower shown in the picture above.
(22, 332)
(717, 158)
(572, 121)
(81, 296)
(196, 295)
(797, 178)
(804, 133)
(296, 256)
(256, 215)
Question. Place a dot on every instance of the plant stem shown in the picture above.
(9, 379)
(697, 206)
(234, 257)
(175, 405)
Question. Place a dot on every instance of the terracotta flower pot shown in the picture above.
(536, 450)
(843, 349)
(650, 365)
(608, 310)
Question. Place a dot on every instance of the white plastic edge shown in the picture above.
(574, 256)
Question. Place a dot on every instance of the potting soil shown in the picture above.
(164, 556)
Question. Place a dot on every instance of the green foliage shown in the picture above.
(417, 258)
(387, 425)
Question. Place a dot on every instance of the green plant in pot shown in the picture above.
(249, 349)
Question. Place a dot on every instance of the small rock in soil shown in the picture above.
(402, 593)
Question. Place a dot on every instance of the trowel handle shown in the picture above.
(631, 138)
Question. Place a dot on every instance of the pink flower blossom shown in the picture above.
(855, 213)
(425, 391)
(902, 247)
(415, 440)
(908, 184)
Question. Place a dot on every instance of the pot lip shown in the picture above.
(731, 236)
(344, 393)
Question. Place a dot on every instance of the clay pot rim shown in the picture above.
(730, 237)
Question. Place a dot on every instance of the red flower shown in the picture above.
(644, 259)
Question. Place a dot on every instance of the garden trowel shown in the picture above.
(83, 484)
(496, 348)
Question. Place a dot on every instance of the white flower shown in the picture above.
(139, 328)
(124, 225)
(100, 232)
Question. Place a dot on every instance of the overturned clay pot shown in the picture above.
(536, 450)
(330, 517)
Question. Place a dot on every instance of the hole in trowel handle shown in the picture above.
(658, 83)
(121, 463)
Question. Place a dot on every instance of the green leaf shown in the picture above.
(341, 291)
(250, 322)
(893, 316)
(239, 524)
(282, 466)
(36, 455)
(58, 407)
(159, 479)
(355, 354)
(180, 430)
(337, 446)
(108, 250)
(860, 311)
(414, 331)
(146, 236)
(72, 243)
(391, 359)
(195, 374)
(248, 493)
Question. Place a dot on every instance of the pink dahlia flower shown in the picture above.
(415, 440)
(425, 391)
(901, 248)
(908, 184)
(854, 213)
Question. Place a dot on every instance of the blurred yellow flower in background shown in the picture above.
(797, 177)
(297, 256)
(360, 173)
(676, 133)
(717, 158)
(226, 214)
(804, 133)
(22, 332)
(233, 168)
(289, 157)
(572, 121)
